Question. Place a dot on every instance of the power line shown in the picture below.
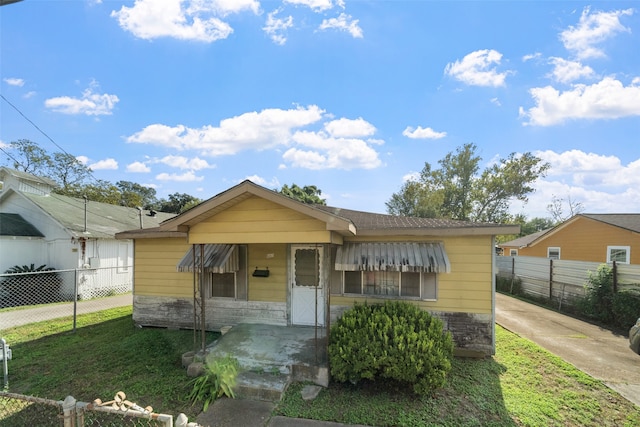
(34, 125)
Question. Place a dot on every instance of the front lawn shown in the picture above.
(523, 385)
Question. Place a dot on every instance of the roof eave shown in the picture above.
(448, 231)
(149, 234)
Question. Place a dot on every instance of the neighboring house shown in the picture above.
(40, 227)
(512, 247)
(585, 237)
(252, 255)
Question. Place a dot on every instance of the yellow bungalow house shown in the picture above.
(584, 237)
(252, 255)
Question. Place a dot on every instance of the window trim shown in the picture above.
(627, 250)
(395, 297)
(513, 252)
(122, 260)
(550, 248)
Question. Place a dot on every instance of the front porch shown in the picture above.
(272, 356)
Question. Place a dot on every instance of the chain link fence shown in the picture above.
(17, 410)
(31, 297)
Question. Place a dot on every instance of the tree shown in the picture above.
(309, 194)
(30, 157)
(102, 191)
(136, 195)
(556, 208)
(176, 202)
(456, 191)
(68, 171)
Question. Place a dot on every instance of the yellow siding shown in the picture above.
(155, 272)
(258, 220)
(274, 287)
(468, 288)
(586, 240)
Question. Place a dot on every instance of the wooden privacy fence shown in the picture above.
(560, 280)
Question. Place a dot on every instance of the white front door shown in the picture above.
(307, 293)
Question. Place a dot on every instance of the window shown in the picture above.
(513, 252)
(553, 252)
(223, 285)
(231, 281)
(620, 254)
(123, 257)
(391, 284)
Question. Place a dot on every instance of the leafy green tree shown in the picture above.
(176, 202)
(309, 194)
(456, 191)
(101, 191)
(134, 195)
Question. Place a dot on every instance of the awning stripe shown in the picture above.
(393, 256)
(217, 258)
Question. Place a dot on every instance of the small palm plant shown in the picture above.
(218, 380)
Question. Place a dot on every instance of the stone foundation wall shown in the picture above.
(178, 312)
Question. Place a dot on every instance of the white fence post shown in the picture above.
(69, 410)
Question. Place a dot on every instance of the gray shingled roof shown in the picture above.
(103, 220)
(375, 221)
(524, 240)
(627, 221)
(12, 224)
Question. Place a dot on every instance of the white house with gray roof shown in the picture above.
(40, 227)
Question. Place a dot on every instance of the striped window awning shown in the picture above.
(400, 256)
(214, 258)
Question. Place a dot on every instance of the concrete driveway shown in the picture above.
(594, 350)
(24, 316)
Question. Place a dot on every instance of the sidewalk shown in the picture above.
(594, 350)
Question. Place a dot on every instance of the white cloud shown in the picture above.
(181, 162)
(226, 7)
(593, 29)
(321, 151)
(184, 20)
(29, 94)
(343, 22)
(13, 81)
(566, 71)
(601, 183)
(349, 128)
(83, 159)
(106, 164)
(411, 176)
(276, 28)
(477, 69)
(255, 130)
(315, 5)
(138, 167)
(339, 144)
(90, 103)
(607, 99)
(422, 133)
(531, 56)
(189, 176)
(256, 179)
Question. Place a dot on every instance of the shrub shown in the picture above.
(598, 300)
(395, 341)
(509, 285)
(626, 308)
(218, 380)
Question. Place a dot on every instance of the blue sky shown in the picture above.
(351, 96)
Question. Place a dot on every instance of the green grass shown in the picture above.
(523, 385)
(105, 355)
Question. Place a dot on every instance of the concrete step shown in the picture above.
(261, 385)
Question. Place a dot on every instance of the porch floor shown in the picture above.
(271, 356)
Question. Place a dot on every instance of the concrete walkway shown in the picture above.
(24, 316)
(594, 350)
